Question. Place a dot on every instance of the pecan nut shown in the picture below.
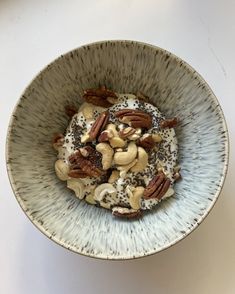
(147, 142)
(177, 176)
(105, 136)
(58, 141)
(126, 132)
(99, 125)
(157, 187)
(77, 173)
(169, 123)
(142, 97)
(84, 165)
(135, 118)
(99, 97)
(124, 212)
(92, 154)
(70, 110)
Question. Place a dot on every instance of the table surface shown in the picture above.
(33, 33)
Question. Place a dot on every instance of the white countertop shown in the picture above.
(33, 33)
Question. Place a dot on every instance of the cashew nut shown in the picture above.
(135, 197)
(129, 190)
(112, 128)
(125, 168)
(105, 205)
(90, 199)
(115, 141)
(103, 189)
(87, 110)
(77, 186)
(119, 149)
(114, 176)
(156, 138)
(125, 157)
(61, 169)
(169, 193)
(142, 161)
(107, 154)
(85, 138)
(136, 135)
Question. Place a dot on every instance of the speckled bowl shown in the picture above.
(124, 66)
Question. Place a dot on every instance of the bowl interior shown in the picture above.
(123, 66)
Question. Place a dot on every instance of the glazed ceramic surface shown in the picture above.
(123, 66)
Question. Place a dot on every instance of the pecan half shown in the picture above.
(146, 142)
(84, 151)
(169, 123)
(177, 176)
(126, 132)
(124, 212)
(94, 156)
(99, 97)
(142, 97)
(77, 173)
(83, 165)
(135, 118)
(99, 125)
(105, 136)
(58, 141)
(157, 187)
(70, 110)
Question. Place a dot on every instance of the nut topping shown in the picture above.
(70, 110)
(135, 118)
(146, 142)
(105, 136)
(99, 125)
(141, 162)
(77, 173)
(124, 153)
(61, 169)
(107, 154)
(177, 175)
(157, 187)
(77, 186)
(99, 97)
(135, 197)
(142, 97)
(124, 212)
(156, 138)
(169, 123)
(83, 166)
(126, 132)
(125, 157)
(58, 141)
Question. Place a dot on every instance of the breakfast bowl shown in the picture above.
(125, 67)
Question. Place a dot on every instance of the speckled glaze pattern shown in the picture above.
(124, 66)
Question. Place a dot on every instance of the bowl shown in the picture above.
(124, 66)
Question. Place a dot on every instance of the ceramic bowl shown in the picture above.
(124, 66)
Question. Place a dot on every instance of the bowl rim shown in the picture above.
(40, 227)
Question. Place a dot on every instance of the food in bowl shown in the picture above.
(119, 152)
